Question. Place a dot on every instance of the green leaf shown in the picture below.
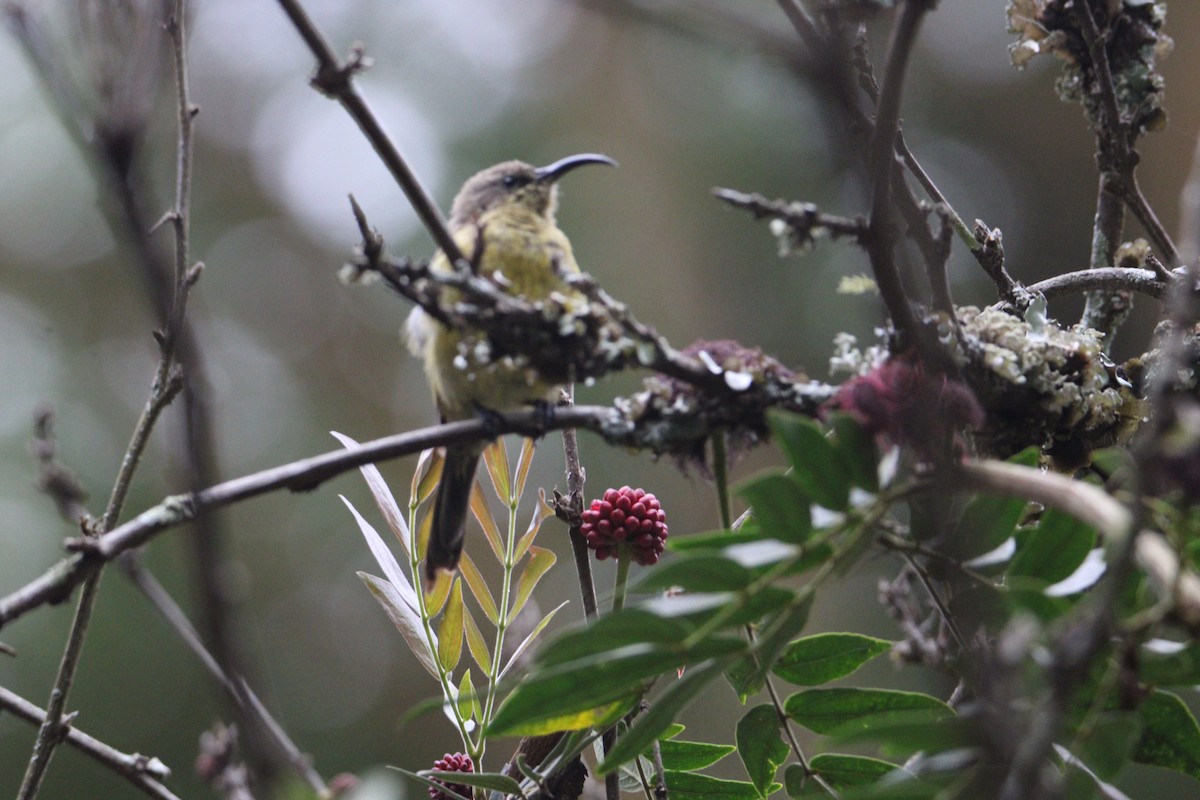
(697, 573)
(848, 710)
(713, 540)
(780, 506)
(816, 465)
(760, 746)
(661, 715)
(1167, 663)
(427, 474)
(749, 674)
(495, 781)
(1170, 736)
(1052, 550)
(693, 786)
(795, 780)
(857, 450)
(902, 733)
(824, 657)
(843, 771)
(541, 513)
(586, 683)
(540, 560)
(630, 626)
(735, 608)
(467, 702)
(681, 755)
(450, 632)
(1109, 742)
(986, 523)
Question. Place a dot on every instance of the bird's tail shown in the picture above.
(450, 509)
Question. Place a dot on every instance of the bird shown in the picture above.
(503, 221)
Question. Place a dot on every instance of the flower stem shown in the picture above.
(623, 559)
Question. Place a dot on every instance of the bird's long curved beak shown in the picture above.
(552, 172)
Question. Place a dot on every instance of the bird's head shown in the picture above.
(515, 183)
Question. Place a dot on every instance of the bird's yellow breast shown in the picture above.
(526, 255)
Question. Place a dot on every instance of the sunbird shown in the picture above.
(503, 222)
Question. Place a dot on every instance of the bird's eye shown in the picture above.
(510, 181)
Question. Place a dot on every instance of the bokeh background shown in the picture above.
(684, 95)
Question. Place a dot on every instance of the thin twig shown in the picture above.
(570, 510)
(238, 691)
(1126, 278)
(334, 79)
(881, 164)
(145, 773)
(166, 385)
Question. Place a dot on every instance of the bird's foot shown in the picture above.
(544, 412)
(492, 420)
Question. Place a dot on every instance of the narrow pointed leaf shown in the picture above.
(627, 627)
(749, 674)
(824, 657)
(479, 588)
(383, 556)
(427, 475)
(816, 465)
(495, 781)
(528, 640)
(438, 593)
(424, 527)
(780, 506)
(524, 461)
(382, 494)
(541, 512)
(432, 784)
(450, 633)
(760, 746)
(479, 508)
(691, 756)
(495, 460)
(476, 644)
(403, 617)
(466, 700)
(661, 714)
(1170, 735)
(847, 710)
(539, 561)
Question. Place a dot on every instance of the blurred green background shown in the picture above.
(684, 103)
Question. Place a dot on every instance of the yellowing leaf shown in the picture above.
(479, 588)
(528, 446)
(450, 633)
(540, 560)
(476, 644)
(427, 474)
(479, 508)
(540, 513)
(495, 460)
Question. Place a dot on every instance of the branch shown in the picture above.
(1106, 279)
(881, 164)
(803, 222)
(334, 79)
(143, 772)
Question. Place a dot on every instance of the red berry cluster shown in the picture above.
(629, 516)
(452, 762)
